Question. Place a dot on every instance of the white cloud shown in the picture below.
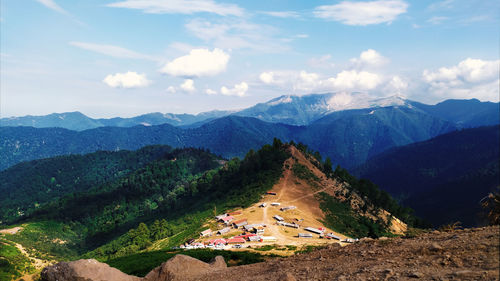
(180, 7)
(354, 80)
(267, 77)
(469, 78)
(171, 90)
(282, 14)
(313, 82)
(369, 57)
(126, 80)
(53, 6)
(210, 92)
(110, 50)
(236, 34)
(238, 90)
(199, 62)
(396, 86)
(362, 13)
(188, 86)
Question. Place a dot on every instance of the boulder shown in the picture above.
(182, 267)
(84, 270)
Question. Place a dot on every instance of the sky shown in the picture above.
(108, 58)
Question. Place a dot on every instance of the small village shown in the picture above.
(236, 231)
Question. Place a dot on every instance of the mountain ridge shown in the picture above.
(286, 109)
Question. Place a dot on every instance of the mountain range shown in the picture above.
(347, 128)
(347, 137)
(287, 109)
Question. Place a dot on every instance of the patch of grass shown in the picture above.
(308, 249)
(43, 240)
(291, 247)
(13, 264)
(142, 263)
(266, 248)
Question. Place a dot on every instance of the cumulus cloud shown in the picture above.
(396, 86)
(180, 7)
(127, 80)
(188, 86)
(210, 92)
(362, 13)
(199, 62)
(369, 57)
(171, 90)
(469, 78)
(110, 50)
(303, 81)
(354, 80)
(238, 90)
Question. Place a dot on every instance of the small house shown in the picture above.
(240, 223)
(259, 230)
(288, 208)
(227, 219)
(275, 204)
(271, 193)
(268, 239)
(332, 236)
(278, 218)
(206, 233)
(224, 230)
(305, 235)
(235, 241)
(263, 205)
(255, 238)
(314, 230)
(219, 217)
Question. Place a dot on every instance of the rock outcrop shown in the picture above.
(84, 270)
(181, 267)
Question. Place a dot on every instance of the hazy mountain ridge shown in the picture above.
(286, 109)
(341, 136)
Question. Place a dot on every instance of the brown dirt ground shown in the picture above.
(470, 254)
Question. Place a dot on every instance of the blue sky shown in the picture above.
(110, 58)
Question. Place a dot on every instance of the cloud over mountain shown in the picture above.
(198, 63)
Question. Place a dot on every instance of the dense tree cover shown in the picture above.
(173, 196)
(442, 179)
(145, 193)
(239, 183)
(28, 185)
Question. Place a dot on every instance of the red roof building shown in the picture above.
(235, 241)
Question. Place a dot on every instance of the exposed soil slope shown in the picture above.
(301, 192)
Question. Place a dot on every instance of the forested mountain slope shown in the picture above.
(444, 178)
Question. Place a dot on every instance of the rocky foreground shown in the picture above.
(470, 254)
